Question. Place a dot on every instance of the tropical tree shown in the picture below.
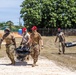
(31, 12)
(65, 10)
(2, 25)
(9, 24)
(49, 13)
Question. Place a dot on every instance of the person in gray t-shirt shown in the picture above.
(25, 42)
(25, 38)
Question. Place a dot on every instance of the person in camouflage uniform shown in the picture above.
(61, 42)
(36, 45)
(10, 44)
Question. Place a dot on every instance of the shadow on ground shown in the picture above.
(18, 64)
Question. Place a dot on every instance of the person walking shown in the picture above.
(36, 45)
(10, 44)
(61, 43)
(25, 40)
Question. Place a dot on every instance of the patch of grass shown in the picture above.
(51, 52)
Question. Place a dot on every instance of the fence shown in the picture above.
(53, 31)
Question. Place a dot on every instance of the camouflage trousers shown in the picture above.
(61, 47)
(10, 52)
(34, 52)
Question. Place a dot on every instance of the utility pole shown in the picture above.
(20, 21)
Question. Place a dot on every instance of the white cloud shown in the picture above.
(10, 10)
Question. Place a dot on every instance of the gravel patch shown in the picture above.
(45, 67)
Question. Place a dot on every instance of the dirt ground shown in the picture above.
(50, 51)
(45, 67)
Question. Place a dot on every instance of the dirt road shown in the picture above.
(45, 67)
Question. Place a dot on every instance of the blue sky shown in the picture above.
(10, 10)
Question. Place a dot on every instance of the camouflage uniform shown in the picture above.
(10, 47)
(10, 52)
(35, 48)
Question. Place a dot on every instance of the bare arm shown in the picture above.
(21, 41)
(13, 40)
(28, 40)
(40, 41)
(56, 38)
(63, 36)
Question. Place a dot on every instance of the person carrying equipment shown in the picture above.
(61, 42)
(10, 44)
(36, 45)
(25, 41)
(26, 38)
